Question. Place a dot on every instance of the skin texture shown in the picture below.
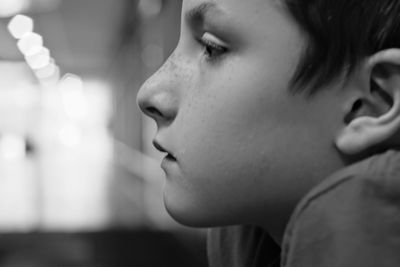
(246, 149)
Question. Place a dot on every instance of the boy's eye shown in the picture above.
(213, 48)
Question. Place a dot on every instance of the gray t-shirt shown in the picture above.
(352, 218)
(241, 246)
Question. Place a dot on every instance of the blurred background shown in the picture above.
(80, 183)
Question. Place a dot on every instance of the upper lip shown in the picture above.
(160, 148)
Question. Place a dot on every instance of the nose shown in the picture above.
(158, 97)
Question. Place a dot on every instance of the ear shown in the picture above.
(373, 117)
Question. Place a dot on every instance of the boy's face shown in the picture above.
(245, 149)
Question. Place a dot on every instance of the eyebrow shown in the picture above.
(198, 12)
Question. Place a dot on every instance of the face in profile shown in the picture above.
(240, 147)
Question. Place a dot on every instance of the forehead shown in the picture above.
(247, 17)
(234, 8)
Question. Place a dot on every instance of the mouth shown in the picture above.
(159, 147)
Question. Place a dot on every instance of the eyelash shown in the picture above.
(212, 50)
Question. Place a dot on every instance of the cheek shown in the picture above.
(225, 132)
(218, 124)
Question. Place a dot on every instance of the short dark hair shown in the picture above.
(340, 34)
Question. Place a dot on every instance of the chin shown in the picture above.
(186, 217)
(189, 215)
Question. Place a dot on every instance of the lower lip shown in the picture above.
(166, 162)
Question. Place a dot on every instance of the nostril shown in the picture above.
(153, 112)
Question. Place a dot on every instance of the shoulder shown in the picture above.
(353, 217)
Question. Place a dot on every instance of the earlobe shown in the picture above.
(375, 116)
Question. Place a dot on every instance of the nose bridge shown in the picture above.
(159, 95)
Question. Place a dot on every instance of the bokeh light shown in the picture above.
(73, 96)
(39, 60)
(20, 25)
(30, 43)
(47, 71)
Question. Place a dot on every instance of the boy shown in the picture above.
(259, 103)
